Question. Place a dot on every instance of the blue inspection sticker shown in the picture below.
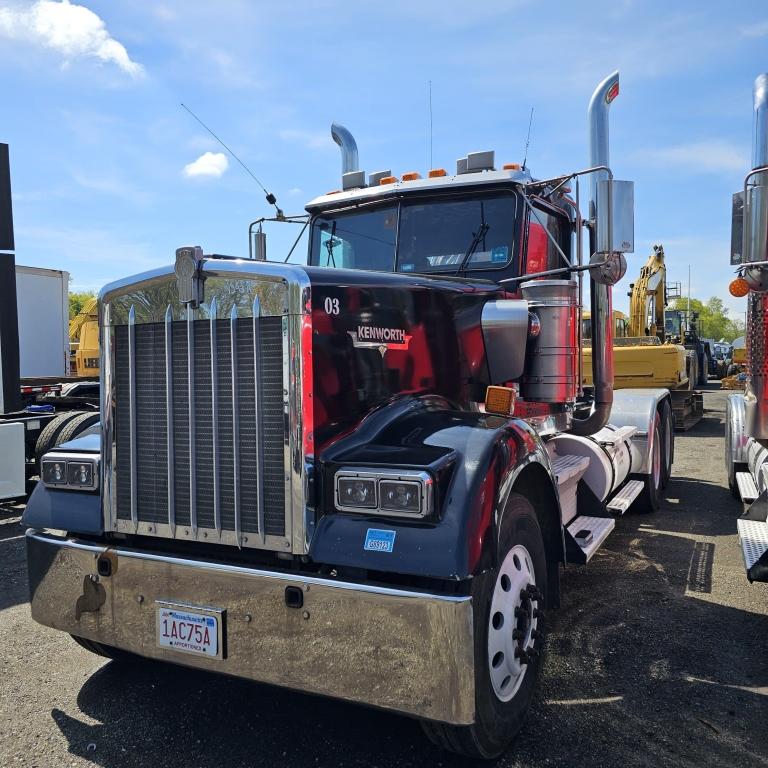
(377, 540)
(500, 254)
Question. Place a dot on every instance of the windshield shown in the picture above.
(672, 324)
(413, 236)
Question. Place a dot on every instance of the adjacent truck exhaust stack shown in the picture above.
(746, 417)
(360, 477)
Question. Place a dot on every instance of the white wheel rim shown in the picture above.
(512, 623)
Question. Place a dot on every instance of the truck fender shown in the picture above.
(638, 408)
(477, 460)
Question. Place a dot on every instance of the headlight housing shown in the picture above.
(397, 493)
(70, 471)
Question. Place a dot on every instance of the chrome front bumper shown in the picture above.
(396, 649)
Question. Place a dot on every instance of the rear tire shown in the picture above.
(667, 442)
(704, 371)
(650, 498)
(76, 426)
(508, 599)
(47, 438)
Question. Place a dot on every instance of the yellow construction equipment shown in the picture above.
(643, 357)
(84, 339)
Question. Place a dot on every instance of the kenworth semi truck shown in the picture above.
(746, 415)
(361, 477)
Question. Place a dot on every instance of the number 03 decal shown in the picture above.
(331, 306)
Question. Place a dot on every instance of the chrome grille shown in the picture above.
(200, 429)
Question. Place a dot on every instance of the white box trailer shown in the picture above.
(42, 298)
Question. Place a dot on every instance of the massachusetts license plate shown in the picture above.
(188, 629)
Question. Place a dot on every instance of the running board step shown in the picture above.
(568, 471)
(747, 488)
(622, 500)
(621, 434)
(753, 535)
(568, 466)
(598, 528)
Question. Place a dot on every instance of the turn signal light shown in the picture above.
(500, 400)
(436, 173)
(388, 180)
(511, 166)
(739, 287)
(411, 176)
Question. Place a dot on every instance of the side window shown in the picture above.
(541, 251)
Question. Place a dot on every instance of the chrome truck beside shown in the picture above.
(361, 477)
(746, 415)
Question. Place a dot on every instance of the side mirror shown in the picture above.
(615, 232)
(737, 228)
(756, 221)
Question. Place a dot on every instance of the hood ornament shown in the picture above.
(188, 278)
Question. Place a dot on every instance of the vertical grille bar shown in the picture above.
(257, 413)
(169, 418)
(215, 422)
(191, 424)
(235, 421)
(132, 414)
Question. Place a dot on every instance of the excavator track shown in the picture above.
(687, 408)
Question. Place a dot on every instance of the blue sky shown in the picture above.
(99, 143)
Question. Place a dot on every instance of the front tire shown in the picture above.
(508, 605)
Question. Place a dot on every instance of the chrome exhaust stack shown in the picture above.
(600, 292)
(755, 249)
(351, 175)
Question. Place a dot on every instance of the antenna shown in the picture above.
(430, 123)
(271, 199)
(528, 139)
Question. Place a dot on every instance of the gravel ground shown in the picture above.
(658, 657)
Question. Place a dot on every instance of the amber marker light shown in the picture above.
(388, 180)
(500, 400)
(411, 176)
(739, 287)
(511, 166)
(436, 173)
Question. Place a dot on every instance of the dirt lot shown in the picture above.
(658, 657)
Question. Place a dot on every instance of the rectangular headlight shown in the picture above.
(70, 471)
(356, 492)
(405, 492)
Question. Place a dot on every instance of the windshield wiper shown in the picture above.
(479, 235)
(329, 245)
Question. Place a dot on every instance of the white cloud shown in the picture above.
(73, 31)
(212, 164)
(294, 191)
(710, 156)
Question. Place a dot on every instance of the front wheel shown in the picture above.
(508, 608)
(704, 371)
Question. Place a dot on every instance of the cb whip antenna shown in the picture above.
(271, 199)
(528, 139)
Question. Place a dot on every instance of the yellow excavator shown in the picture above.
(84, 340)
(643, 356)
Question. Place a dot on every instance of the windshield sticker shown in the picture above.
(500, 254)
(381, 339)
(377, 540)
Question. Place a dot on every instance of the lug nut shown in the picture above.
(517, 634)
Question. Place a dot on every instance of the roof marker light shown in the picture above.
(388, 180)
(411, 176)
(436, 173)
(511, 166)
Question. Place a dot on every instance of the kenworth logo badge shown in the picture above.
(382, 339)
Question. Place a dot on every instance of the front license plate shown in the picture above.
(189, 630)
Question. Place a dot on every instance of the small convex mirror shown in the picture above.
(737, 228)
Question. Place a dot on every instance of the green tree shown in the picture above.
(76, 301)
(714, 322)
